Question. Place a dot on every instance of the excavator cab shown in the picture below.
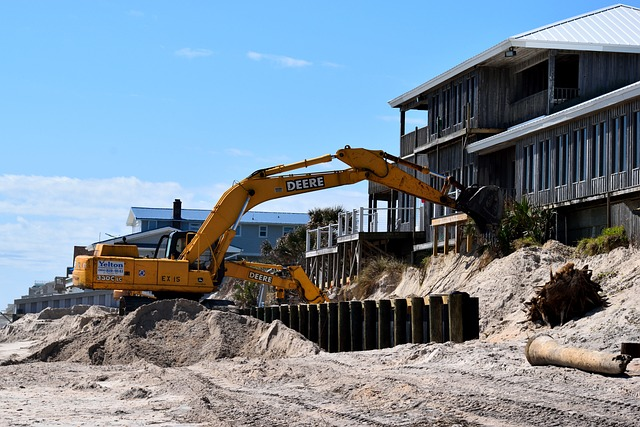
(484, 204)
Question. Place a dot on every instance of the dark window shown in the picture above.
(619, 144)
(599, 149)
(471, 95)
(579, 154)
(533, 80)
(636, 141)
(562, 159)
(545, 165)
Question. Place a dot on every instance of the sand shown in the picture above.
(175, 363)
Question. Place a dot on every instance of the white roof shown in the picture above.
(612, 29)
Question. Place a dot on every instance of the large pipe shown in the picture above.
(543, 350)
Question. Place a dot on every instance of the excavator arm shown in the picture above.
(185, 273)
(280, 277)
(267, 184)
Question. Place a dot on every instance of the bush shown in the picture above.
(523, 225)
(610, 239)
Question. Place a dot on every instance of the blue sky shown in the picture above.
(106, 105)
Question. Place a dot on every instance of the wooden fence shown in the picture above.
(369, 325)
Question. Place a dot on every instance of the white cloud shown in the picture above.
(42, 218)
(279, 60)
(188, 52)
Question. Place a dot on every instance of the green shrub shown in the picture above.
(523, 225)
(608, 240)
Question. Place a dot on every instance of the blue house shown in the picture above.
(255, 227)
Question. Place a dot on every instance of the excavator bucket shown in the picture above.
(483, 204)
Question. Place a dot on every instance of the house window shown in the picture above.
(579, 157)
(528, 170)
(239, 231)
(471, 95)
(619, 144)
(545, 164)
(599, 149)
(435, 115)
(562, 159)
(262, 231)
(286, 230)
(458, 103)
(446, 108)
(636, 142)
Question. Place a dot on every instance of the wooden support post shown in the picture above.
(355, 310)
(323, 326)
(370, 318)
(400, 321)
(294, 317)
(435, 240)
(333, 327)
(303, 320)
(435, 318)
(344, 326)
(284, 314)
(314, 324)
(417, 317)
(456, 316)
(471, 318)
(384, 323)
(446, 239)
(268, 314)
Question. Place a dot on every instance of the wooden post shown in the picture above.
(435, 318)
(344, 327)
(355, 311)
(417, 316)
(456, 316)
(333, 327)
(446, 239)
(323, 326)
(435, 240)
(284, 314)
(384, 323)
(303, 320)
(400, 321)
(471, 318)
(294, 317)
(370, 308)
(314, 324)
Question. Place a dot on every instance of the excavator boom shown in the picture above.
(199, 267)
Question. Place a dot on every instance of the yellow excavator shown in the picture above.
(193, 264)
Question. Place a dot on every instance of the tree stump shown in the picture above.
(569, 294)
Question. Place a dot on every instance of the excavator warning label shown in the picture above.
(305, 183)
(113, 268)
